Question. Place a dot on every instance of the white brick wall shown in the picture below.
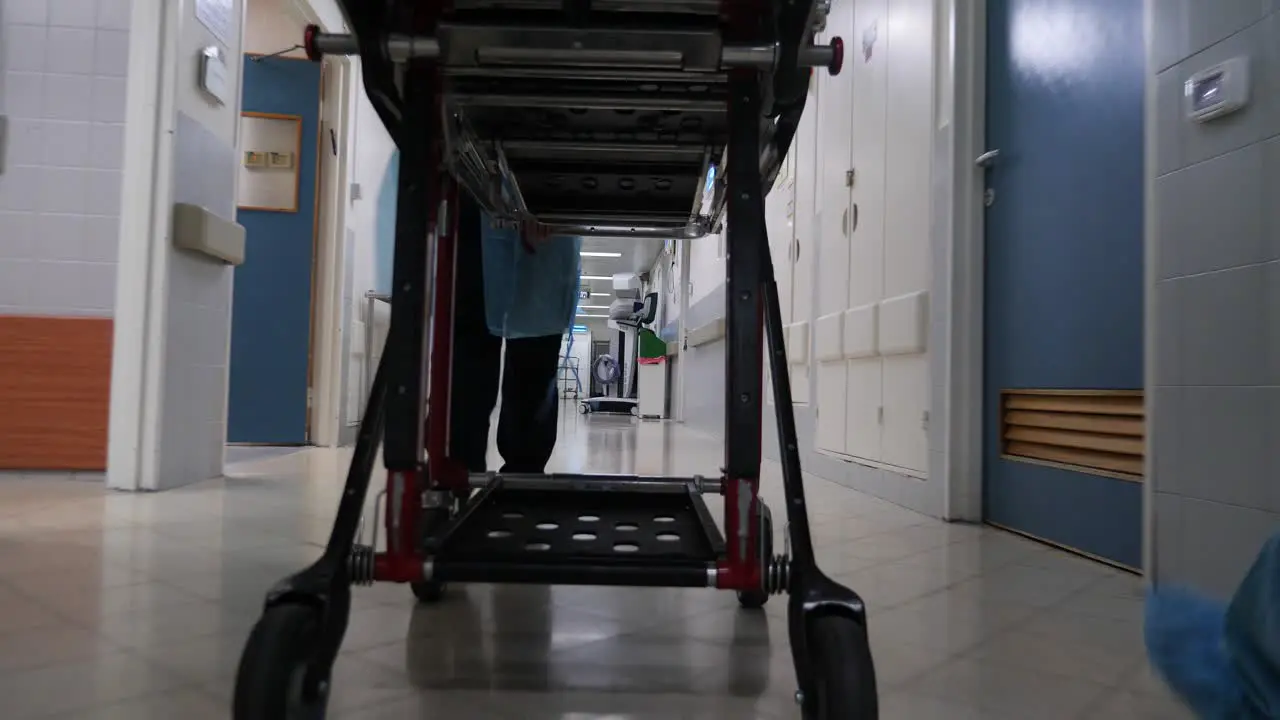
(62, 85)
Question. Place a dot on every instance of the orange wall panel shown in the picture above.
(55, 388)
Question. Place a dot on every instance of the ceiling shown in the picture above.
(635, 255)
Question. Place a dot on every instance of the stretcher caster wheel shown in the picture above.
(635, 411)
(271, 679)
(432, 591)
(755, 599)
(428, 591)
(843, 681)
(584, 408)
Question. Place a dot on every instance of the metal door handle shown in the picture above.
(987, 159)
(846, 226)
(797, 258)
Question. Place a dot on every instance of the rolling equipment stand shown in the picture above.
(642, 118)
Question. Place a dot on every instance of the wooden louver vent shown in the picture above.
(1094, 431)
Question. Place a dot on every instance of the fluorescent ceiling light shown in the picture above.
(593, 307)
(597, 277)
(584, 253)
(592, 315)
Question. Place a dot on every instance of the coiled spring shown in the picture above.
(777, 574)
(360, 565)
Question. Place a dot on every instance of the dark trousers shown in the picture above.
(526, 376)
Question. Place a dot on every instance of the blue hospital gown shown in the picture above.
(527, 293)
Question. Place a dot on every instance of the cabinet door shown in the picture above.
(778, 211)
(907, 261)
(832, 198)
(864, 382)
(908, 144)
(906, 401)
(805, 153)
(867, 229)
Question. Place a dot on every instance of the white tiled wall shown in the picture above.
(62, 85)
(1216, 312)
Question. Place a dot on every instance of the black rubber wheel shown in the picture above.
(844, 678)
(269, 681)
(432, 591)
(428, 591)
(756, 599)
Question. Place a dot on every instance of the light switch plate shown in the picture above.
(355, 191)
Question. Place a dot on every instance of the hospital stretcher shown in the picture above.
(632, 118)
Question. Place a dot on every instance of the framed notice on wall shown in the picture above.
(270, 146)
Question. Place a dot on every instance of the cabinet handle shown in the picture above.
(797, 258)
(849, 224)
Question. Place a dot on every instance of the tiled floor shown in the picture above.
(135, 607)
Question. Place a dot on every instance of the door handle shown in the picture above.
(987, 159)
(797, 258)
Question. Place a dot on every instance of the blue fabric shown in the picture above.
(529, 292)
(1223, 660)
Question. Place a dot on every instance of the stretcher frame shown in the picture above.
(708, 95)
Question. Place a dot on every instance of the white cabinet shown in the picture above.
(804, 156)
(779, 211)
(789, 217)
(870, 348)
(833, 220)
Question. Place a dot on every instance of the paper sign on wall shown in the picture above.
(218, 16)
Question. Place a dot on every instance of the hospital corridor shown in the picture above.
(639, 359)
(132, 607)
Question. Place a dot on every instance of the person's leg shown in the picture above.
(476, 351)
(530, 406)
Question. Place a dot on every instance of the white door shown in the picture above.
(832, 197)
(863, 366)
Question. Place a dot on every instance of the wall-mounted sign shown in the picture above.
(218, 16)
(280, 160)
(584, 294)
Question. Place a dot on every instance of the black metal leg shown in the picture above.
(813, 595)
(325, 586)
(417, 203)
(746, 229)
(743, 378)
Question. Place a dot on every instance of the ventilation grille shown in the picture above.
(1094, 431)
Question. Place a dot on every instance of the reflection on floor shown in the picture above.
(238, 454)
(132, 607)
